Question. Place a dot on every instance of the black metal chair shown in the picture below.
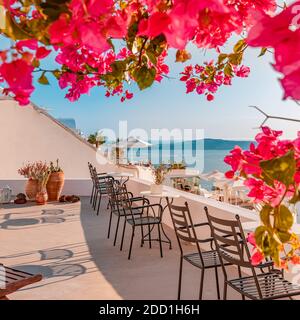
(116, 206)
(185, 231)
(90, 166)
(146, 217)
(98, 186)
(233, 249)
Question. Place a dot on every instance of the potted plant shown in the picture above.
(55, 182)
(32, 172)
(43, 174)
(159, 174)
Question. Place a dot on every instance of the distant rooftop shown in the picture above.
(69, 122)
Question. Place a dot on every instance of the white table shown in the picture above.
(168, 195)
(122, 176)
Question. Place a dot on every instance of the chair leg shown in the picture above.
(131, 241)
(95, 199)
(240, 276)
(217, 282)
(149, 232)
(109, 224)
(117, 229)
(225, 291)
(92, 194)
(201, 284)
(142, 232)
(159, 238)
(123, 234)
(180, 278)
(99, 204)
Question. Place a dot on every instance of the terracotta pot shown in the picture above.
(31, 189)
(55, 185)
(41, 197)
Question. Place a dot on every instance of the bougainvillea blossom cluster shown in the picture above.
(271, 171)
(115, 43)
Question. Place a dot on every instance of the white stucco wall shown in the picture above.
(26, 134)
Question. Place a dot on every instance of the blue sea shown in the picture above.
(199, 159)
(203, 155)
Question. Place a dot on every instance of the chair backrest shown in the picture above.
(230, 241)
(183, 226)
(111, 190)
(90, 169)
(232, 245)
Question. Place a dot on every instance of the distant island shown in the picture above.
(208, 144)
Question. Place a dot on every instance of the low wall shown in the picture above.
(196, 204)
(81, 187)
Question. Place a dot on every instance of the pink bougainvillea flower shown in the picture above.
(181, 28)
(155, 25)
(229, 174)
(67, 79)
(251, 239)
(190, 85)
(270, 31)
(90, 35)
(29, 43)
(128, 95)
(20, 86)
(117, 26)
(60, 31)
(257, 257)
(210, 97)
(290, 84)
(297, 177)
(242, 71)
(97, 8)
(235, 158)
(42, 53)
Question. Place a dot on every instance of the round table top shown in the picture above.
(164, 194)
(119, 174)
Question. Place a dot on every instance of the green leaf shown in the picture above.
(183, 56)
(12, 29)
(131, 34)
(228, 71)
(284, 219)
(239, 46)
(43, 79)
(281, 169)
(263, 52)
(235, 58)
(284, 236)
(144, 77)
(56, 74)
(35, 63)
(152, 57)
(295, 198)
(54, 8)
(265, 215)
(222, 57)
(259, 235)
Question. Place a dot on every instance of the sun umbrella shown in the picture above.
(132, 143)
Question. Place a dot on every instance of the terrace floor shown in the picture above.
(68, 245)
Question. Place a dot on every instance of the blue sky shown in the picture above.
(166, 105)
